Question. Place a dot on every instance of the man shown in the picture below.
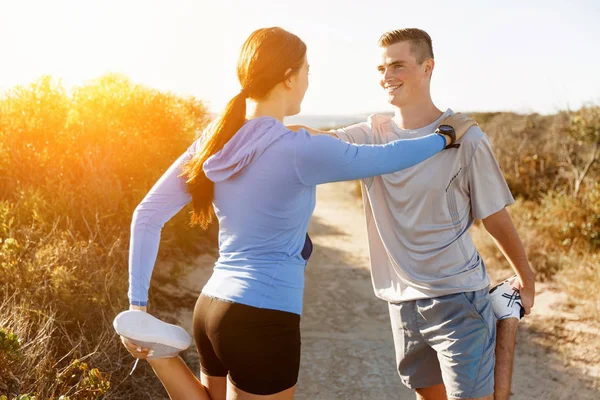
(423, 261)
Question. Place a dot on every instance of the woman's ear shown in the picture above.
(288, 78)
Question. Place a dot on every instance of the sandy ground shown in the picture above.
(347, 348)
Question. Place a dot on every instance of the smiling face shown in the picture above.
(401, 75)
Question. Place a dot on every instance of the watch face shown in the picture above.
(446, 129)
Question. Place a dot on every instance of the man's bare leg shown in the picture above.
(506, 336)
(438, 392)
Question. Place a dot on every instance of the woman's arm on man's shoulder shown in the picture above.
(312, 131)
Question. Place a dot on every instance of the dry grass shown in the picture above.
(557, 213)
(73, 166)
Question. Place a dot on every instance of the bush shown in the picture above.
(73, 166)
(551, 165)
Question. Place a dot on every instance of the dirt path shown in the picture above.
(347, 349)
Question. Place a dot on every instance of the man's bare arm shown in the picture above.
(312, 131)
(499, 225)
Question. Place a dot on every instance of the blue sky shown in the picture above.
(524, 56)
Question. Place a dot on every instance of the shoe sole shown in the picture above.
(140, 326)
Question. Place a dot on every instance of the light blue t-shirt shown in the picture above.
(265, 192)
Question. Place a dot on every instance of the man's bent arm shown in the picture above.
(499, 225)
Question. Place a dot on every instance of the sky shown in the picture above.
(514, 55)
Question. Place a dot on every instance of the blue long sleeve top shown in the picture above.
(265, 192)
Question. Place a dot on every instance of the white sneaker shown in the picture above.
(165, 340)
(506, 300)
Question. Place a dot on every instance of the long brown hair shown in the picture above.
(264, 59)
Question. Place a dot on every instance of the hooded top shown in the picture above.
(265, 192)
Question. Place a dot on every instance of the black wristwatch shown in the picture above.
(448, 131)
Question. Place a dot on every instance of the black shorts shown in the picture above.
(259, 348)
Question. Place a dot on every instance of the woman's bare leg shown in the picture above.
(178, 379)
(216, 386)
(234, 393)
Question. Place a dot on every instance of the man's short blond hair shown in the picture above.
(420, 42)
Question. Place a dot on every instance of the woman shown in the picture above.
(260, 179)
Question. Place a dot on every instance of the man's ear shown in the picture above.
(428, 67)
(288, 78)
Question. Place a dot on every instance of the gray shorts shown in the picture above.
(449, 339)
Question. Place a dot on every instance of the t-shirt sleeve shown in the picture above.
(488, 189)
(358, 133)
(166, 198)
